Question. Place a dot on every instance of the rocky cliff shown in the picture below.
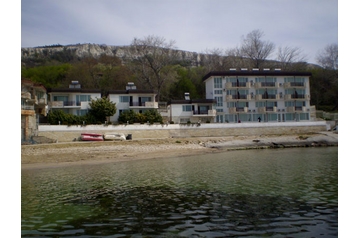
(94, 50)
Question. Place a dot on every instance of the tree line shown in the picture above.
(154, 63)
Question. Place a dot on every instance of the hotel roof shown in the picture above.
(255, 73)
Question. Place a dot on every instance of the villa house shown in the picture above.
(132, 98)
(191, 110)
(269, 95)
(33, 107)
(74, 99)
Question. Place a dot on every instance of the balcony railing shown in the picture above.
(294, 84)
(71, 103)
(238, 85)
(27, 107)
(42, 101)
(297, 96)
(266, 85)
(204, 113)
(239, 97)
(238, 109)
(267, 109)
(144, 104)
(61, 104)
(297, 84)
(297, 109)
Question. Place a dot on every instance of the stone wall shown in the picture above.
(28, 125)
(62, 133)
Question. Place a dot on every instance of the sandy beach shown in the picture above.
(79, 153)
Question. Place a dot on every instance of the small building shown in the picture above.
(33, 108)
(73, 100)
(269, 95)
(131, 98)
(191, 110)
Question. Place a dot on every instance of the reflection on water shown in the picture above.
(282, 193)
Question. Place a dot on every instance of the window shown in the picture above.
(186, 108)
(295, 103)
(82, 112)
(60, 98)
(218, 91)
(83, 98)
(289, 79)
(123, 98)
(218, 83)
(293, 91)
(271, 79)
(219, 101)
(259, 80)
(242, 80)
(266, 104)
(40, 94)
(146, 99)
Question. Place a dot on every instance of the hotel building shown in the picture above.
(269, 95)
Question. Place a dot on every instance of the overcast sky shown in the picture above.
(195, 25)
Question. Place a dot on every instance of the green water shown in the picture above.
(252, 193)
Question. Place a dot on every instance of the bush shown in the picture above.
(131, 117)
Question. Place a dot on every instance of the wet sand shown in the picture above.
(80, 153)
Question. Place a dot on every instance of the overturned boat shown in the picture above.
(91, 137)
(114, 136)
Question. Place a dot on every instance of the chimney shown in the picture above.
(187, 96)
(74, 84)
(130, 85)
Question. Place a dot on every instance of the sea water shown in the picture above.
(247, 193)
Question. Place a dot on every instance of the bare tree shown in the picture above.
(234, 58)
(213, 59)
(151, 59)
(328, 58)
(290, 57)
(255, 49)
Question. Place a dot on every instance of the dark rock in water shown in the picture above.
(256, 140)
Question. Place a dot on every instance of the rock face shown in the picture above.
(95, 50)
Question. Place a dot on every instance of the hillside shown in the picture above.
(37, 55)
(68, 52)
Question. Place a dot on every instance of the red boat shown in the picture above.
(91, 137)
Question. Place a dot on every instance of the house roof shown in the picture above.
(255, 73)
(192, 101)
(131, 91)
(72, 90)
(35, 85)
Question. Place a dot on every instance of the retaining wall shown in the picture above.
(63, 133)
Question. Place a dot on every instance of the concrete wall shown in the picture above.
(69, 133)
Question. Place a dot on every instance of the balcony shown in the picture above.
(297, 109)
(238, 110)
(267, 96)
(244, 97)
(267, 109)
(143, 104)
(238, 85)
(297, 96)
(294, 85)
(63, 104)
(42, 101)
(210, 113)
(27, 107)
(266, 85)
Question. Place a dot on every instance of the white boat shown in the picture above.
(114, 136)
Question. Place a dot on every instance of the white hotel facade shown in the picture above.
(271, 95)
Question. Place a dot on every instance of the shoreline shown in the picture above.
(54, 155)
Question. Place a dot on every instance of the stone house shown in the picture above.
(33, 107)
